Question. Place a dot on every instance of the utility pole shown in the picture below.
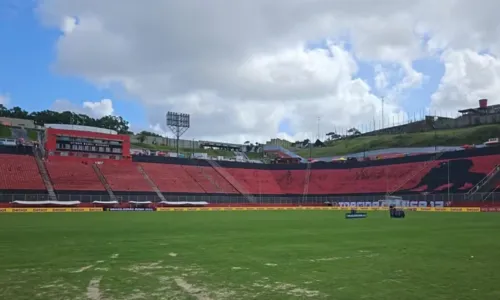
(383, 113)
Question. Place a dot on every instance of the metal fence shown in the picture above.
(228, 199)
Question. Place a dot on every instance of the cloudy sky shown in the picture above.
(251, 69)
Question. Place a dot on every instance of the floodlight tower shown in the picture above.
(178, 124)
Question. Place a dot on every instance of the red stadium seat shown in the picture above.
(124, 177)
(19, 172)
(172, 178)
(255, 181)
(73, 176)
(210, 180)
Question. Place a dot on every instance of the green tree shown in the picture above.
(149, 133)
(43, 117)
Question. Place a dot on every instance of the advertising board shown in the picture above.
(49, 209)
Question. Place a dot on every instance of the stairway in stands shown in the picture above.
(153, 185)
(232, 181)
(487, 184)
(45, 175)
(495, 189)
(307, 179)
(112, 196)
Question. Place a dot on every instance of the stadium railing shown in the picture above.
(227, 199)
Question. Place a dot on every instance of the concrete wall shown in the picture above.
(166, 142)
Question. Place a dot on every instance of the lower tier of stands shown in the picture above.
(19, 172)
(73, 176)
(457, 175)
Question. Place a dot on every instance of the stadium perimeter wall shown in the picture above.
(456, 200)
(273, 208)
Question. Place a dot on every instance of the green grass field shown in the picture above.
(249, 255)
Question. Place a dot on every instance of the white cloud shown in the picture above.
(97, 109)
(4, 99)
(240, 67)
(468, 77)
(68, 24)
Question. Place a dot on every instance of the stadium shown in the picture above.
(84, 215)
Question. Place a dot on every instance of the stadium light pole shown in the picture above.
(178, 123)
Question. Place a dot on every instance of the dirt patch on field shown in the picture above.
(288, 289)
(139, 268)
(192, 290)
(104, 269)
(93, 289)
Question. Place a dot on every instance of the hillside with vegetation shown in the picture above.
(339, 146)
(452, 137)
(66, 117)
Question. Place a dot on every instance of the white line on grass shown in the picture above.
(83, 269)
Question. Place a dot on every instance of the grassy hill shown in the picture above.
(452, 137)
(5, 132)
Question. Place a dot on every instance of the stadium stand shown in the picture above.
(172, 178)
(73, 176)
(293, 181)
(256, 181)
(124, 177)
(210, 180)
(458, 171)
(19, 172)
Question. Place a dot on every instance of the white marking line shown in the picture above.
(343, 257)
(271, 265)
(172, 254)
(82, 269)
(191, 290)
(115, 255)
(93, 290)
(329, 258)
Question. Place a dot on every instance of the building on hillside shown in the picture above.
(221, 146)
(14, 122)
(483, 109)
(279, 142)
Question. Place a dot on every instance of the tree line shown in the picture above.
(67, 117)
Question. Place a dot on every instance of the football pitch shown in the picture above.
(249, 255)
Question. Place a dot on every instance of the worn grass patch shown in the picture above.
(249, 255)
